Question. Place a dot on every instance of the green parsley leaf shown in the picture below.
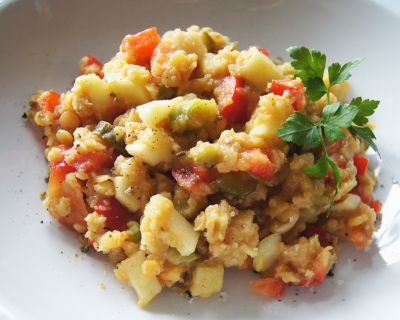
(300, 130)
(310, 66)
(335, 117)
(339, 74)
(319, 169)
(366, 134)
(339, 115)
(366, 108)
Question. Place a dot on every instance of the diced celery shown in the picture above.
(135, 230)
(105, 130)
(175, 258)
(206, 153)
(193, 114)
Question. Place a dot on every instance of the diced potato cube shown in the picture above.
(130, 271)
(155, 112)
(256, 68)
(153, 146)
(189, 41)
(95, 90)
(162, 227)
(268, 252)
(206, 280)
(132, 183)
(130, 83)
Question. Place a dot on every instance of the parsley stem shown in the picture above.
(328, 94)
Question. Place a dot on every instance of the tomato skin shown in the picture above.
(233, 100)
(89, 64)
(117, 216)
(294, 87)
(376, 205)
(49, 100)
(361, 164)
(260, 164)
(93, 161)
(262, 50)
(58, 171)
(269, 287)
(193, 177)
(138, 48)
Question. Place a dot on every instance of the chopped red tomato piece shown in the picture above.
(246, 264)
(117, 216)
(93, 161)
(269, 287)
(193, 178)
(232, 97)
(89, 64)
(260, 164)
(359, 237)
(49, 100)
(294, 87)
(138, 48)
(262, 50)
(361, 164)
(324, 237)
(58, 171)
(376, 205)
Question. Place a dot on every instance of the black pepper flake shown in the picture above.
(24, 115)
(330, 273)
(46, 179)
(188, 295)
(41, 221)
(354, 260)
(280, 300)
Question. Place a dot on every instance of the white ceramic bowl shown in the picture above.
(43, 275)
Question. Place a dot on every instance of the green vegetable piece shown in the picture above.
(193, 114)
(103, 127)
(236, 184)
(135, 230)
(175, 258)
(165, 93)
(106, 130)
(207, 153)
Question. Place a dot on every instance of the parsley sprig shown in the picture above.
(299, 129)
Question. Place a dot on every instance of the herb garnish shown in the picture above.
(298, 129)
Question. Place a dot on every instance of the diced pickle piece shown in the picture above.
(236, 184)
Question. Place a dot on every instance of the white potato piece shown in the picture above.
(130, 83)
(130, 272)
(207, 279)
(153, 146)
(154, 112)
(188, 41)
(93, 89)
(256, 68)
(163, 227)
(268, 252)
(132, 183)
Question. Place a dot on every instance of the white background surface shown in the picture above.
(42, 273)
